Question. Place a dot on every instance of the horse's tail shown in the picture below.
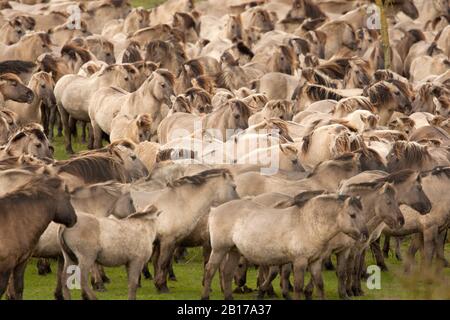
(65, 248)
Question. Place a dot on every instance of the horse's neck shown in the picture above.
(200, 204)
(369, 201)
(322, 223)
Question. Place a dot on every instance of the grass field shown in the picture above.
(394, 284)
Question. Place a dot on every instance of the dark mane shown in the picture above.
(167, 75)
(200, 178)
(302, 198)
(72, 51)
(312, 10)
(397, 177)
(16, 66)
(343, 162)
(196, 67)
(318, 92)
(93, 168)
(132, 53)
(317, 77)
(243, 49)
(41, 188)
(378, 93)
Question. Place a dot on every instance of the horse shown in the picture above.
(41, 83)
(216, 186)
(310, 216)
(50, 202)
(137, 129)
(12, 88)
(111, 102)
(28, 48)
(73, 94)
(233, 115)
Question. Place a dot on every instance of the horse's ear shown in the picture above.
(283, 149)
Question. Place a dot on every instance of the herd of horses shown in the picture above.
(193, 101)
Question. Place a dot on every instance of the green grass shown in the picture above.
(394, 284)
(146, 3)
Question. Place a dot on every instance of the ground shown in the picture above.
(394, 284)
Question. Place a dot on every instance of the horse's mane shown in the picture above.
(132, 53)
(16, 66)
(351, 104)
(344, 162)
(302, 198)
(171, 153)
(369, 186)
(318, 77)
(334, 68)
(378, 93)
(244, 49)
(397, 177)
(72, 51)
(412, 152)
(438, 171)
(166, 74)
(318, 92)
(144, 121)
(41, 187)
(200, 178)
(93, 168)
(196, 67)
(111, 187)
(148, 211)
(192, 93)
(10, 77)
(243, 108)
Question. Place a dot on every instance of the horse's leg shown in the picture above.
(58, 290)
(206, 254)
(165, 257)
(328, 264)
(378, 254)
(43, 266)
(440, 249)
(172, 276)
(341, 272)
(44, 117)
(180, 254)
(429, 240)
(86, 264)
(210, 269)
(51, 122)
(414, 246)
(398, 252)
(64, 277)
(387, 240)
(90, 145)
(285, 284)
(17, 278)
(299, 267)
(98, 133)
(350, 271)
(73, 127)
(4, 278)
(134, 269)
(83, 132)
(60, 124)
(316, 274)
(359, 265)
(96, 278)
(229, 269)
(146, 272)
(66, 126)
(266, 286)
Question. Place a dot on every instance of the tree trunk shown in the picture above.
(382, 5)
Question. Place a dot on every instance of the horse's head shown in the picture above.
(43, 84)
(161, 83)
(261, 19)
(239, 114)
(350, 218)
(143, 125)
(12, 88)
(64, 211)
(233, 28)
(387, 207)
(408, 185)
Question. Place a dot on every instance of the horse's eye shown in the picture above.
(126, 78)
(397, 93)
(14, 83)
(43, 86)
(108, 54)
(38, 145)
(237, 116)
(163, 85)
(133, 157)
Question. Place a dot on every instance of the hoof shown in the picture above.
(238, 290)
(399, 257)
(247, 289)
(260, 295)
(163, 289)
(99, 287)
(229, 298)
(105, 279)
(287, 296)
(58, 296)
(308, 296)
(148, 275)
(383, 268)
(173, 278)
(272, 294)
(204, 298)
